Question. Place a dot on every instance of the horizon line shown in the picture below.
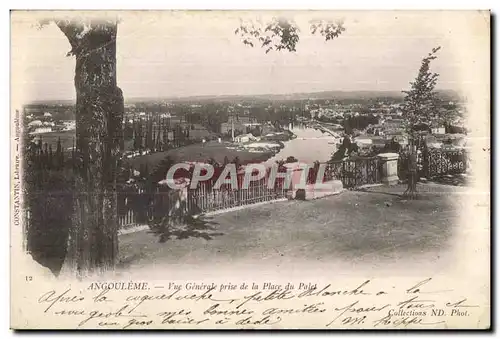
(208, 96)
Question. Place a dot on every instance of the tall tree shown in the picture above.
(93, 242)
(93, 236)
(419, 104)
(140, 132)
(135, 134)
(157, 138)
(164, 134)
(419, 107)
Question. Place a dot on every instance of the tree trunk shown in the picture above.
(411, 190)
(93, 237)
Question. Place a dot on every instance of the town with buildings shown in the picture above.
(346, 153)
(259, 125)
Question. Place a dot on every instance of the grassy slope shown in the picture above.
(198, 152)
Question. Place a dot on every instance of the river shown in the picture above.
(309, 146)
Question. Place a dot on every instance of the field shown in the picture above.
(193, 153)
(67, 139)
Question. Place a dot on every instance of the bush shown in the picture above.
(49, 200)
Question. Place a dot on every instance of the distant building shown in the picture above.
(438, 130)
(244, 138)
(238, 123)
(199, 132)
(399, 136)
(40, 130)
(367, 140)
(391, 122)
(35, 123)
(69, 125)
(432, 142)
(363, 141)
(225, 128)
(252, 124)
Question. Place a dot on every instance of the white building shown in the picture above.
(363, 141)
(438, 130)
(35, 123)
(40, 130)
(244, 138)
(69, 125)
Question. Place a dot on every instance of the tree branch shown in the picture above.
(72, 30)
(283, 34)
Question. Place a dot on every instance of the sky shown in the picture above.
(165, 54)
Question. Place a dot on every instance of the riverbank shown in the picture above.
(218, 151)
(304, 144)
(308, 146)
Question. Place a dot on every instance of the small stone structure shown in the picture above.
(389, 168)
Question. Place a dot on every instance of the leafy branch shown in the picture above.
(283, 34)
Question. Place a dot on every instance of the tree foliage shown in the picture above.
(359, 122)
(420, 101)
(283, 34)
(420, 106)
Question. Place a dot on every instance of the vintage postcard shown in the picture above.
(250, 170)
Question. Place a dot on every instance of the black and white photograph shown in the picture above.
(250, 169)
